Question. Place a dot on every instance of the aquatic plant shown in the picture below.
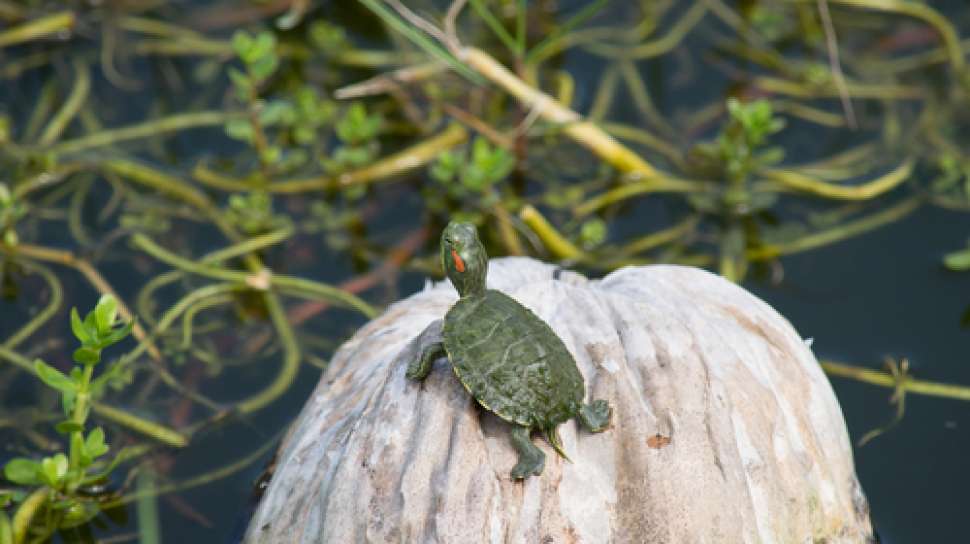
(278, 169)
(54, 493)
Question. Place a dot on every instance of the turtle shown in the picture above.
(509, 359)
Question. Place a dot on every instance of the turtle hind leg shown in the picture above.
(595, 416)
(531, 458)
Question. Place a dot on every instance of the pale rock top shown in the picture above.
(757, 452)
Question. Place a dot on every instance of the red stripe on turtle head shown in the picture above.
(459, 264)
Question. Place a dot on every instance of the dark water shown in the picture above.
(884, 293)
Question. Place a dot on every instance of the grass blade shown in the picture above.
(419, 39)
(494, 24)
(564, 29)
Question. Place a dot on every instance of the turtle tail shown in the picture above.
(552, 436)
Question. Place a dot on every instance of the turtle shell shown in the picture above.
(511, 361)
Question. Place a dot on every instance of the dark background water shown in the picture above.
(884, 293)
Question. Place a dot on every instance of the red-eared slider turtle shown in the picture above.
(506, 357)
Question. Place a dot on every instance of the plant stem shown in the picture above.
(835, 234)
(173, 123)
(623, 192)
(90, 273)
(254, 281)
(884, 379)
(149, 528)
(583, 132)
(555, 242)
(26, 512)
(202, 479)
(43, 316)
(154, 430)
(403, 161)
(79, 415)
(38, 28)
(289, 368)
(82, 87)
(920, 11)
(800, 182)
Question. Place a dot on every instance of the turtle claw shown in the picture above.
(531, 459)
(595, 416)
(529, 465)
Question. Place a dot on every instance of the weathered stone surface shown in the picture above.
(757, 449)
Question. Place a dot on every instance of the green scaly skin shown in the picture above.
(506, 357)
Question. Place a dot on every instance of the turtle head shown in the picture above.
(464, 259)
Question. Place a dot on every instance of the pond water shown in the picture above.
(881, 292)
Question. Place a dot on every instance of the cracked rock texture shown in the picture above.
(724, 429)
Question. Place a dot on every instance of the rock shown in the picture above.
(724, 430)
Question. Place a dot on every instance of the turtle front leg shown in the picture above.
(419, 368)
(531, 458)
(595, 416)
(429, 348)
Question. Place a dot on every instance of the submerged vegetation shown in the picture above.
(221, 174)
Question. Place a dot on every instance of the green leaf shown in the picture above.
(91, 327)
(347, 125)
(77, 513)
(294, 159)
(445, 168)
(67, 401)
(105, 314)
(242, 84)
(264, 46)
(87, 356)
(68, 427)
(22, 471)
(53, 377)
(263, 67)
(474, 177)
(117, 376)
(10, 238)
(354, 156)
(240, 79)
(78, 452)
(277, 112)
(94, 445)
(53, 469)
(125, 454)
(117, 335)
(481, 151)
(304, 135)
(271, 155)
(77, 327)
(327, 36)
(593, 232)
(958, 261)
(242, 43)
(240, 129)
